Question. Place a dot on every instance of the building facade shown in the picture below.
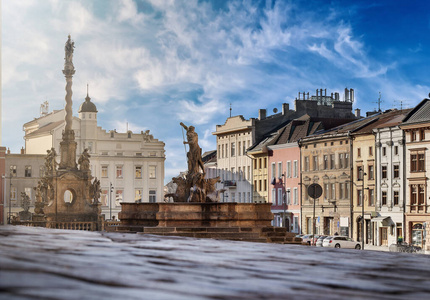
(130, 166)
(417, 157)
(233, 164)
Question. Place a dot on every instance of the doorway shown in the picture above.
(384, 236)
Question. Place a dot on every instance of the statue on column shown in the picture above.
(95, 190)
(50, 161)
(84, 161)
(68, 48)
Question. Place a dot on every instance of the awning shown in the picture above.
(385, 221)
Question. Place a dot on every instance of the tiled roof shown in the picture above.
(421, 113)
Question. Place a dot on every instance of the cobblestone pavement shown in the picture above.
(39, 263)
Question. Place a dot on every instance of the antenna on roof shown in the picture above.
(230, 110)
(379, 102)
(402, 102)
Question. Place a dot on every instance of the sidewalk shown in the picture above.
(386, 249)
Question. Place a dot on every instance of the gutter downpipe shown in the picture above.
(299, 143)
(252, 176)
(351, 186)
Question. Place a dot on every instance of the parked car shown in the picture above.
(319, 241)
(299, 235)
(306, 239)
(341, 242)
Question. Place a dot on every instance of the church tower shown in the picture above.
(88, 115)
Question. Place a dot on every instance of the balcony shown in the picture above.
(229, 183)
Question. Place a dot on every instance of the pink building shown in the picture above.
(284, 172)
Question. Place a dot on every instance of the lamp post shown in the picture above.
(110, 200)
(361, 175)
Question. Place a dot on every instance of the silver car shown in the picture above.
(341, 242)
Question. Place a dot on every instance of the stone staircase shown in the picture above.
(249, 234)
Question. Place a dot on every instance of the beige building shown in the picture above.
(234, 137)
(23, 171)
(131, 163)
(417, 209)
(325, 160)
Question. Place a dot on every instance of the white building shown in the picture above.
(133, 164)
(234, 166)
(390, 197)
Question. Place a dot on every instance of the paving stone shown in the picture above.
(40, 263)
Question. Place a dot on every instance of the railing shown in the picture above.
(229, 183)
(85, 226)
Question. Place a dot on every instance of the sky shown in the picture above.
(152, 64)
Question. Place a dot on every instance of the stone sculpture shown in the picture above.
(95, 190)
(194, 188)
(50, 161)
(84, 161)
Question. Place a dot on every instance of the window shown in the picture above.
(233, 197)
(384, 151)
(249, 172)
(417, 162)
(422, 134)
(260, 186)
(104, 171)
(138, 172)
(384, 198)
(233, 149)
(152, 196)
(274, 197)
(118, 171)
(226, 150)
(371, 197)
(273, 171)
(341, 191)
(152, 172)
(233, 174)
(358, 152)
(371, 151)
(295, 196)
(333, 191)
(41, 171)
(243, 148)
(137, 195)
(295, 169)
(296, 224)
(255, 185)
(421, 195)
(346, 164)
(279, 196)
(396, 150)
(238, 153)
(384, 172)
(347, 192)
(239, 194)
(360, 173)
(13, 193)
(396, 198)
(259, 163)
(307, 163)
(104, 197)
(280, 169)
(326, 191)
(12, 171)
(265, 185)
(341, 161)
(396, 171)
(219, 151)
(325, 162)
(118, 197)
(370, 172)
(332, 162)
(239, 174)
(315, 160)
(249, 197)
(359, 197)
(27, 171)
(288, 169)
(222, 151)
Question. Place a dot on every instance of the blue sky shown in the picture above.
(155, 63)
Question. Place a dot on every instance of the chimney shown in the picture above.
(336, 96)
(351, 92)
(8, 150)
(357, 113)
(325, 92)
(285, 108)
(299, 95)
(331, 96)
(308, 96)
(317, 94)
(261, 114)
(346, 95)
(22, 150)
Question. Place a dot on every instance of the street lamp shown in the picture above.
(361, 178)
(110, 200)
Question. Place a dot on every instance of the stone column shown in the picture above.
(68, 145)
